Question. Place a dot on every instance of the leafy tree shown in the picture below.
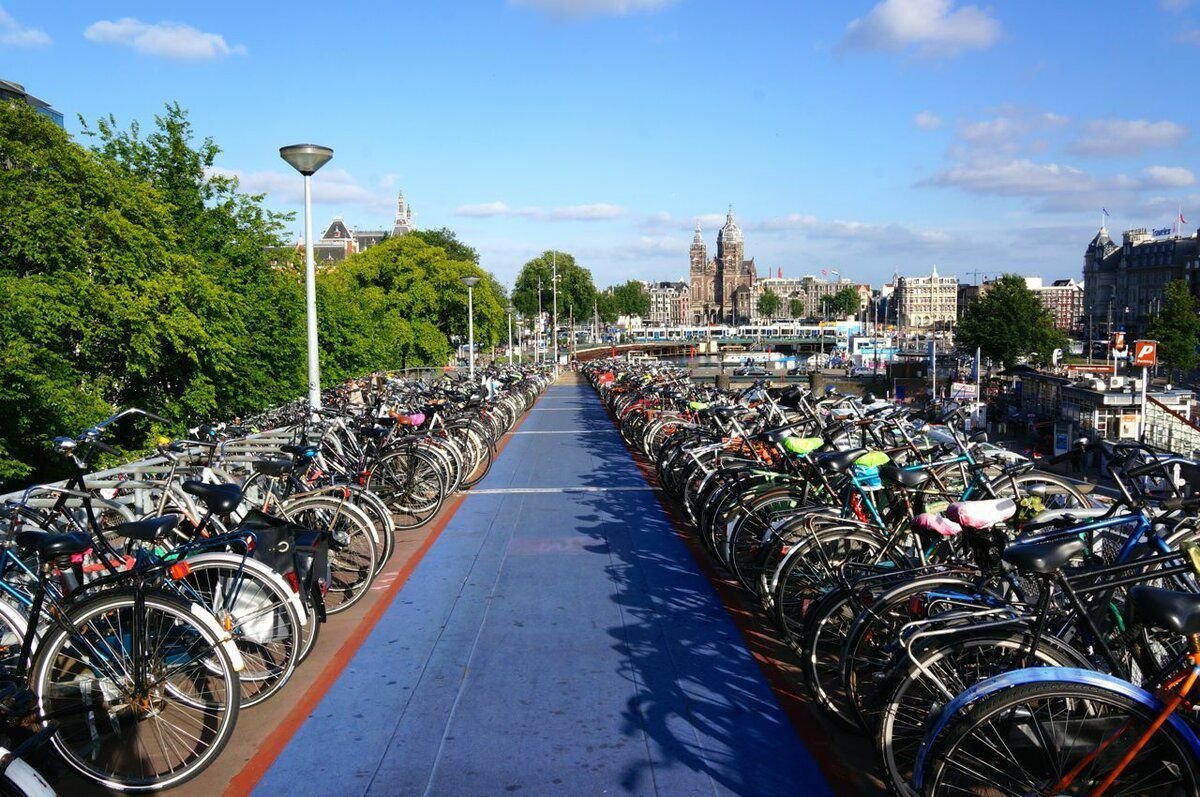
(576, 291)
(843, 303)
(769, 303)
(631, 298)
(447, 240)
(795, 308)
(1177, 327)
(1009, 322)
(606, 305)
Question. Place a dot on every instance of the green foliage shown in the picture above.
(1008, 322)
(606, 306)
(1177, 327)
(795, 308)
(631, 298)
(135, 275)
(575, 289)
(843, 303)
(769, 303)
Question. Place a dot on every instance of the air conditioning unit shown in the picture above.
(1117, 383)
(1098, 385)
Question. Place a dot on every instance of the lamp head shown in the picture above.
(510, 308)
(470, 280)
(306, 158)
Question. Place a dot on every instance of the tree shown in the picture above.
(769, 303)
(447, 240)
(1177, 327)
(575, 288)
(843, 303)
(631, 298)
(1009, 322)
(795, 308)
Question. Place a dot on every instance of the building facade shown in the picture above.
(1124, 283)
(339, 242)
(926, 302)
(15, 91)
(669, 305)
(1063, 299)
(808, 290)
(720, 288)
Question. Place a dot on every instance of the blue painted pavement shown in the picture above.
(552, 643)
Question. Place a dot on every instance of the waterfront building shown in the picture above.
(720, 288)
(15, 91)
(1063, 299)
(926, 302)
(809, 290)
(669, 305)
(1124, 283)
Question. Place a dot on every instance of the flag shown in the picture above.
(1182, 220)
(824, 272)
(1105, 212)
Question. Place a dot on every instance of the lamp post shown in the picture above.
(554, 286)
(470, 280)
(510, 350)
(537, 331)
(306, 159)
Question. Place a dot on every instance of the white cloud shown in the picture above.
(166, 39)
(927, 120)
(1168, 177)
(1018, 177)
(1106, 137)
(14, 34)
(583, 8)
(599, 211)
(935, 27)
(333, 187)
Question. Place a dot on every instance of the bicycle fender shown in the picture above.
(27, 779)
(1030, 675)
(226, 639)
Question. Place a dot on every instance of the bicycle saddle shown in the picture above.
(938, 524)
(52, 546)
(220, 499)
(840, 460)
(981, 514)
(147, 530)
(273, 467)
(1042, 557)
(904, 478)
(1163, 608)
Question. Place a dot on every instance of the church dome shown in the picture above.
(731, 232)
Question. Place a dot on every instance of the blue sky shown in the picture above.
(867, 137)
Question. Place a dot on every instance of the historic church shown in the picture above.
(720, 287)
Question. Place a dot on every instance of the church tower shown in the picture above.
(403, 218)
(731, 250)
(700, 283)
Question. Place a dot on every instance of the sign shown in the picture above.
(1162, 231)
(1082, 368)
(963, 390)
(1118, 341)
(1128, 427)
(1145, 353)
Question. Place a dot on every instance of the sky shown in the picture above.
(867, 137)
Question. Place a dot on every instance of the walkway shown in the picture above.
(557, 639)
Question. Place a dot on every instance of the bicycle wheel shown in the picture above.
(949, 665)
(257, 610)
(352, 567)
(1024, 740)
(137, 722)
(411, 483)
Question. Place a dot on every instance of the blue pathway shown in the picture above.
(552, 642)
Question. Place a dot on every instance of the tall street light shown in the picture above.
(306, 159)
(554, 285)
(470, 281)
(510, 350)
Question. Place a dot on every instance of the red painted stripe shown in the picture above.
(254, 770)
(767, 650)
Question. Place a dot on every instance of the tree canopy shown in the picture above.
(795, 308)
(769, 303)
(1009, 322)
(631, 298)
(134, 274)
(1177, 327)
(843, 303)
(575, 288)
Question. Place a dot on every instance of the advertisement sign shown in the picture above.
(1118, 342)
(1129, 427)
(963, 391)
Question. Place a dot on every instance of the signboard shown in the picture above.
(1145, 353)
(1158, 233)
(1081, 368)
(1128, 429)
(1118, 341)
(963, 390)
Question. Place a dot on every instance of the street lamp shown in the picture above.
(510, 315)
(306, 159)
(554, 287)
(470, 281)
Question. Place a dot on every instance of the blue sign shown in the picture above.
(1163, 231)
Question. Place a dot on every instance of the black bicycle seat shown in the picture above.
(52, 546)
(148, 530)
(220, 499)
(1043, 557)
(911, 479)
(840, 460)
(273, 467)
(1178, 612)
